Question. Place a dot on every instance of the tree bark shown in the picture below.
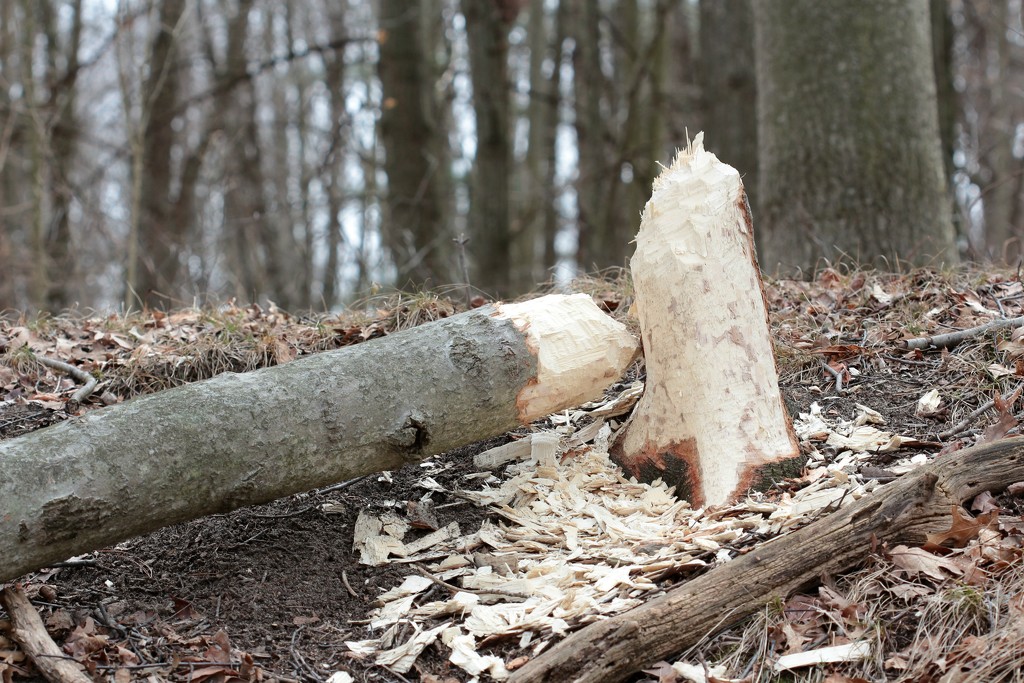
(729, 88)
(902, 512)
(487, 24)
(594, 246)
(414, 231)
(153, 274)
(711, 421)
(850, 161)
(243, 439)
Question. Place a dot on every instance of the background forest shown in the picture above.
(170, 152)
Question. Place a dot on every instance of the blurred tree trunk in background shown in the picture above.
(9, 139)
(62, 73)
(37, 142)
(995, 113)
(153, 272)
(949, 103)
(588, 79)
(551, 223)
(642, 147)
(487, 25)
(334, 161)
(537, 214)
(247, 190)
(413, 228)
(850, 155)
(1004, 239)
(288, 198)
(729, 90)
(682, 94)
(620, 76)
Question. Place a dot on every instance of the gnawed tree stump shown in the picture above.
(904, 511)
(243, 439)
(711, 420)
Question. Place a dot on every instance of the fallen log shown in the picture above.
(244, 439)
(901, 512)
(711, 421)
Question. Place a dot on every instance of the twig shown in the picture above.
(478, 591)
(836, 374)
(285, 515)
(975, 414)
(28, 629)
(344, 484)
(953, 338)
(304, 668)
(348, 586)
(82, 376)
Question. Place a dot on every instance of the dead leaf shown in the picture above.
(984, 502)
(963, 528)
(663, 671)
(1016, 488)
(1005, 421)
(916, 561)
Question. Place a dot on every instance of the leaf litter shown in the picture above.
(564, 539)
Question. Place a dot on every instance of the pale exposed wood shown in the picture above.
(711, 419)
(244, 439)
(902, 512)
(30, 633)
(574, 359)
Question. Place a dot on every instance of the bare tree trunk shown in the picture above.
(729, 88)
(532, 195)
(62, 142)
(37, 157)
(487, 24)
(413, 227)
(587, 84)
(850, 154)
(552, 120)
(1005, 241)
(943, 33)
(160, 238)
(333, 163)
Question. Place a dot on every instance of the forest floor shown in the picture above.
(282, 592)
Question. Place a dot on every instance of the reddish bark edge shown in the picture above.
(904, 511)
(675, 463)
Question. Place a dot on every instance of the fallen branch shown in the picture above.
(963, 424)
(87, 379)
(30, 633)
(901, 512)
(953, 338)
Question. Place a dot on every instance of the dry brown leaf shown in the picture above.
(1005, 420)
(962, 529)
(916, 561)
(984, 502)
